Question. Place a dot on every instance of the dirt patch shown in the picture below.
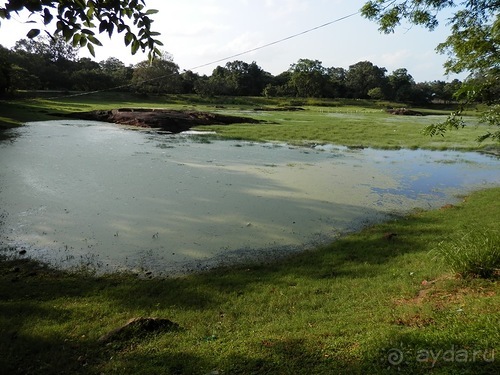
(440, 295)
(404, 112)
(174, 121)
(415, 320)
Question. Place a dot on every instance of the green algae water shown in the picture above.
(94, 195)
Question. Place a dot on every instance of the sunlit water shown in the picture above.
(80, 193)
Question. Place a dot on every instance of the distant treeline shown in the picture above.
(52, 64)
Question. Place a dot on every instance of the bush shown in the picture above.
(475, 253)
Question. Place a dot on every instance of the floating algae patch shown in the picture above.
(99, 196)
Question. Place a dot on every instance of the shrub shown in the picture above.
(475, 253)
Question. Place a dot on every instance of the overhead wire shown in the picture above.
(221, 59)
(276, 41)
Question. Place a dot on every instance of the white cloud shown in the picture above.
(396, 58)
(286, 8)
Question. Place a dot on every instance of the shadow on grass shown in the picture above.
(31, 295)
(413, 353)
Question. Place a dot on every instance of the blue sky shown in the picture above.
(197, 32)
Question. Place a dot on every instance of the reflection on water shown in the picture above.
(74, 193)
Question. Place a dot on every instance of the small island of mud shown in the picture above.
(174, 121)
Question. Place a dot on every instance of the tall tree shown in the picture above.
(308, 78)
(5, 71)
(51, 48)
(336, 82)
(473, 47)
(401, 84)
(76, 19)
(220, 82)
(51, 60)
(118, 73)
(160, 76)
(246, 79)
(364, 76)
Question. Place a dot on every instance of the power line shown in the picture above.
(277, 41)
(224, 58)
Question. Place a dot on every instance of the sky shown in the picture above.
(199, 32)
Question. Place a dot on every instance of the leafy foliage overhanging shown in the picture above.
(76, 21)
(472, 47)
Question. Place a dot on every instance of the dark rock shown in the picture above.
(404, 112)
(173, 121)
(139, 327)
(389, 236)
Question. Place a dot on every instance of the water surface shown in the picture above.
(80, 193)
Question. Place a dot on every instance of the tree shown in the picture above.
(236, 78)
(188, 81)
(219, 83)
(5, 71)
(401, 85)
(308, 78)
(87, 75)
(160, 76)
(376, 93)
(336, 82)
(50, 59)
(364, 76)
(51, 48)
(118, 73)
(472, 47)
(76, 19)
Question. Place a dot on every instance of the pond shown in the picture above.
(100, 196)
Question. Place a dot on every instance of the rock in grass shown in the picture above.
(139, 327)
(174, 121)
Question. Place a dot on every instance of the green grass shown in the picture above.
(473, 252)
(359, 123)
(339, 309)
(355, 127)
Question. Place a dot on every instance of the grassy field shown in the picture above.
(344, 122)
(384, 300)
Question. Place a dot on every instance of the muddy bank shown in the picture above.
(174, 121)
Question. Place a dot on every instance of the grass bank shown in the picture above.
(379, 301)
(356, 123)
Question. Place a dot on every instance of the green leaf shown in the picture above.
(157, 52)
(83, 40)
(33, 33)
(129, 37)
(67, 33)
(103, 26)
(94, 40)
(47, 17)
(76, 40)
(151, 11)
(111, 28)
(90, 47)
(80, 3)
(135, 47)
